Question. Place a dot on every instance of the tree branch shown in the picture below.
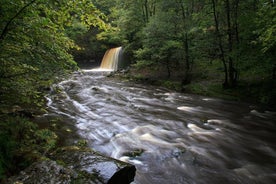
(5, 30)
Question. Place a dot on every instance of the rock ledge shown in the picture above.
(76, 165)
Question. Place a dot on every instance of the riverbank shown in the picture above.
(31, 147)
(34, 150)
(76, 164)
(260, 92)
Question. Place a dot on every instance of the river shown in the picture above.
(171, 138)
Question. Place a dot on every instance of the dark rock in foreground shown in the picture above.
(77, 165)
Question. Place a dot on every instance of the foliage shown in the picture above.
(46, 140)
(143, 63)
(126, 20)
(21, 142)
(35, 45)
(34, 51)
(189, 35)
(266, 25)
(171, 85)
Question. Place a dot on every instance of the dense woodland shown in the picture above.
(209, 47)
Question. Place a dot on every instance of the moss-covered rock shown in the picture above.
(77, 165)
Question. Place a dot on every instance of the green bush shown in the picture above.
(143, 63)
(21, 143)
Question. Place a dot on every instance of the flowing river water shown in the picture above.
(171, 138)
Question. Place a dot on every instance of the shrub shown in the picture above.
(21, 143)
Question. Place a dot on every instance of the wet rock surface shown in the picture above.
(46, 171)
(77, 165)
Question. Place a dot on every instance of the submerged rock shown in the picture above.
(77, 165)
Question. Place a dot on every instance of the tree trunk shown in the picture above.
(232, 70)
(167, 61)
(152, 8)
(230, 44)
(168, 68)
(237, 36)
(274, 72)
(219, 39)
(146, 10)
(237, 2)
(186, 78)
(187, 60)
(272, 2)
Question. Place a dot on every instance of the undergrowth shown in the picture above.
(21, 143)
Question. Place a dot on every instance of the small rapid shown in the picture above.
(170, 137)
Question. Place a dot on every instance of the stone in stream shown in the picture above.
(77, 165)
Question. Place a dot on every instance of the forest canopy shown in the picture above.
(34, 42)
(231, 41)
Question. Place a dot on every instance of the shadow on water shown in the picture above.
(170, 137)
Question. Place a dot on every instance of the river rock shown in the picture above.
(46, 171)
(77, 165)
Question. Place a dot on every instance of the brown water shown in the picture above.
(181, 138)
(111, 59)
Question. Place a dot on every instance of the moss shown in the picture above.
(174, 85)
(61, 162)
(134, 153)
(82, 143)
(85, 177)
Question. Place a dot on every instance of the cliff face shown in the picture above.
(77, 165)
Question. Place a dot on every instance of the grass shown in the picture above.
(214, 90)
(207, 80)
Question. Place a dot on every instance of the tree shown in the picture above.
(126, 20)
(34, 50)
(34, 44)
(266, 28)
(226, 54)
(169, 35)
(160, 44)
(188, 11)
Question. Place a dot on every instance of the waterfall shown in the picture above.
(111, 59)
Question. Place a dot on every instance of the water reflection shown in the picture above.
(180, 138)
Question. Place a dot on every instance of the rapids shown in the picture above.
(171, 138)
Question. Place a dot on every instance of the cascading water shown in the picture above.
(171, 138)
(111, 59)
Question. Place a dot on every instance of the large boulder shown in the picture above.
(46, 171)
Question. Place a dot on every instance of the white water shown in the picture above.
(184, 138)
